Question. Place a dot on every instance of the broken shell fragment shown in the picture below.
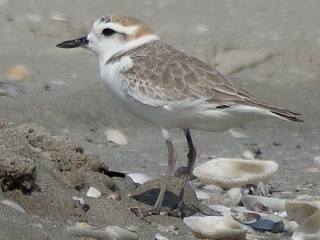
(232, 173)
(215, 227)
(307, 215)
(139, 178)
(235, 195)
(274, 204)
(299, 211)
(93, 193)
(116, 136)
(202, 195)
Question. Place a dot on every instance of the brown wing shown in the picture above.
(163, 73)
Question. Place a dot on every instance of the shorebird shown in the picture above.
(167, 87)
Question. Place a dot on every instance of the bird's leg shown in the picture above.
(192, 154)
(172, 158)
(186, 171)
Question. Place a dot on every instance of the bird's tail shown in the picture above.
(282, 113)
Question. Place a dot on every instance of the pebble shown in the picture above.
(160, 237)
(93, 193)
(115, 196)
(116, 136)
(248, 155)
(18, 73)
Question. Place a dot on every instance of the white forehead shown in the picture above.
(99, 25)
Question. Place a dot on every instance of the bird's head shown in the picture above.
(113, 34)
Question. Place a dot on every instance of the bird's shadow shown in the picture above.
(149, 197)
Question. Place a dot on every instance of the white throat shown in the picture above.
(117, 48)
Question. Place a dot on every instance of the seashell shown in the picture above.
(14, 205)
(235, 195)
(160, 237)
(299, 211)
(307, 215)
(232, 173)
(310, 229)
(202, 195)
(139, 178)
(248, 155)
(93, 193)
(213, 189)
(215, 227)
(18, 73)
(59, 17)
(116, 136)
(225, 211)
(274, 204)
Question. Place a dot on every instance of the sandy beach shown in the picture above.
(58, 110)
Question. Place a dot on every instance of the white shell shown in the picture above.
(307, 215)
(116, 136)
(215, 227)
(202, 195)
(235, 195)
(139, 178)
(232, 173)
(225, 211)
(275, 204)
(213, 189)
(93, 193)
(14, 205)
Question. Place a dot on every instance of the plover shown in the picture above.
(167, 87)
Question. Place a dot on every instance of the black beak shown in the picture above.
(80, 42)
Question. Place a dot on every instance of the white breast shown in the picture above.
(112, 78)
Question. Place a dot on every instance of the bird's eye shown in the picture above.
(108, 32)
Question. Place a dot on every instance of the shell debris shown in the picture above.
(58, 17)
(93, 193)
(307, 215)
(116, 136)
(274, 204)
(215, 227)
(232, 173)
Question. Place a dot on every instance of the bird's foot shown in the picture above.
(141, 213)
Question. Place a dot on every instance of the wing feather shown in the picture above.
(164, 76)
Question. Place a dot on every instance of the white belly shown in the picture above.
(180, 115)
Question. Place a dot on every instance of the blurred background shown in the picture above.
(270, 48)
